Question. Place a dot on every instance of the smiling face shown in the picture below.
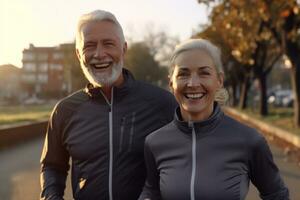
(194, 83)
(101, 53)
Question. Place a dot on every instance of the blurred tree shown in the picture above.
(74, 78)
(250, 42)
(160, 44)
(142, 64)
(280, 20)
(282, 17)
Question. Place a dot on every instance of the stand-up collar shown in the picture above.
(122, 90)
(202, 128)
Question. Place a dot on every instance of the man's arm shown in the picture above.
(54, 161)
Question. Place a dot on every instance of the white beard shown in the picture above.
(102, 78)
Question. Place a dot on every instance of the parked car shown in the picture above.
(281, 98)
(33, 101)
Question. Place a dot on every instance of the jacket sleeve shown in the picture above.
(54, 161)
(264, 173)
(151, 189)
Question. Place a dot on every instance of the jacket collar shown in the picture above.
(202, 128)
(123, 90)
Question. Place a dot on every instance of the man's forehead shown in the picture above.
(99, 24)
(99, 30)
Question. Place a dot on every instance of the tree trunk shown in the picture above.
(263, 106)
(244, 93)
(296, 87)
(292, 52)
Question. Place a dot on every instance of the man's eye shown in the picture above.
(109, 43)
(88, 46)
(182, 75)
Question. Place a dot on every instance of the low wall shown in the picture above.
(11, 135)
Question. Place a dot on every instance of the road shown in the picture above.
(19, 173)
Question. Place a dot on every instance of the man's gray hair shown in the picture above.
(94, 16)
(213, 51)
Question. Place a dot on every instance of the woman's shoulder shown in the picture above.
(251, 135)
(161, 133)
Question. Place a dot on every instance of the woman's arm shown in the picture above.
(264, 173)
(151, 189)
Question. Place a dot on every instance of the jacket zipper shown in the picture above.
(192, 185)
(110, 142)
(111, 145)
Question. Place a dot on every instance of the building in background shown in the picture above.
(9, 83)
(46, 71)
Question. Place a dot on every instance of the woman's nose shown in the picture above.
(193, 81)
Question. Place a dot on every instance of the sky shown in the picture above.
(52, 22)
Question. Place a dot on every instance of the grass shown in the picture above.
(279, 117)
(16, 114)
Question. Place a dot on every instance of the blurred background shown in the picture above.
(259, 39)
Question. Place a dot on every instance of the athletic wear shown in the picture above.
(209, 160)
(104, 140)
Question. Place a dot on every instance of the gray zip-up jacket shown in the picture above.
(104, 140)
(212, 160)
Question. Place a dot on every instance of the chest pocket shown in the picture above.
(127, 133)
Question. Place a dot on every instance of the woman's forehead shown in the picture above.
(194, 56)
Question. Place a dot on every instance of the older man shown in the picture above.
(102, 128)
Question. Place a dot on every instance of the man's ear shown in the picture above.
(124, 48)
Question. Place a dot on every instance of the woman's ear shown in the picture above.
(221, 79)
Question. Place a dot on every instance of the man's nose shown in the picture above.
(99, 52)
(193, 81)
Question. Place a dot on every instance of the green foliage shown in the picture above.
(142, 64)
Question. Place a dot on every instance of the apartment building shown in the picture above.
(43, 72)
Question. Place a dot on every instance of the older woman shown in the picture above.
(204, 154)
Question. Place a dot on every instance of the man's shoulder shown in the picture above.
(150, 91)
(73, 100)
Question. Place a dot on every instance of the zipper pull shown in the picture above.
(191, 124)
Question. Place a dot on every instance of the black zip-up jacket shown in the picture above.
(211, 160)
(104, 141)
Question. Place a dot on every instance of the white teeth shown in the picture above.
(101, 65)
(195, 96)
